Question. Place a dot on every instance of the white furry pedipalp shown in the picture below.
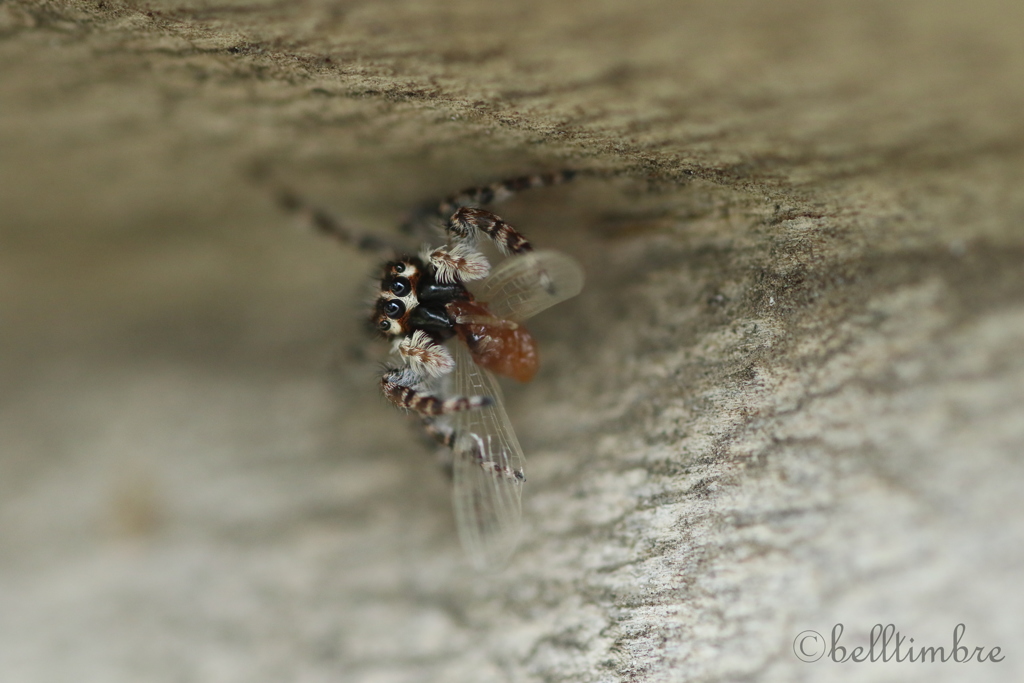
(424, 356)
(458, 263)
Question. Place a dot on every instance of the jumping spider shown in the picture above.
(423, 302)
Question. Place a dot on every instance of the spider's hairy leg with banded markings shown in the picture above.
(404, 388)
(501, 190)
(446, 436)
(442, 433)
(423, 220)
(326, 223)
(460, 260)
(466, 223)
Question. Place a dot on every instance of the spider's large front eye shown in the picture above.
(394, 309)
(401, 286)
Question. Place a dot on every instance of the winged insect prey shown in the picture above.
(449, 343)
(488, 460)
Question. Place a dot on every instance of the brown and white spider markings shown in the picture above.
(423, 303)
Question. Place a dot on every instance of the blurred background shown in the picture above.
(791, 395)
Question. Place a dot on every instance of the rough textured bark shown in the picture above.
(791, 395)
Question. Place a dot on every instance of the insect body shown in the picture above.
(453, 322)
(501, 346)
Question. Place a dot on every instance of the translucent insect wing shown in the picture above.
(488, 469)
(523, 286)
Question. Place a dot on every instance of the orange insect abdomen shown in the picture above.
(503, 347)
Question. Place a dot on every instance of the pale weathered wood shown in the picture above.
(791, 395)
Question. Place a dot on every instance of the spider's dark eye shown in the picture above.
(401, 286)
(399, 267)
(384, 325)
(394, 309)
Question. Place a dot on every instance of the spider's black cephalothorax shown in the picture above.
(411, 299)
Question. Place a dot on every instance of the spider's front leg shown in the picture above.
(326, 223)
(405, 389)
(459, 260)
(502, 190)
(440, 432)
(420, 221)
(467, 223)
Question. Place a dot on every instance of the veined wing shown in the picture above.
(488, 468)
(523, 286)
